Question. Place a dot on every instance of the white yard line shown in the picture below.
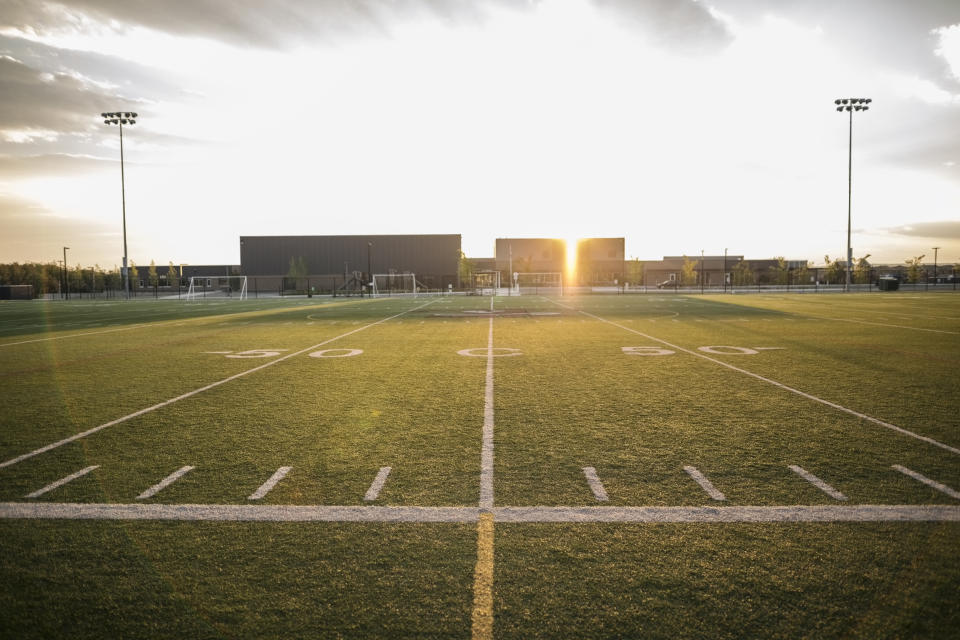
(817, 482)
(595, 485)
(881, 324)
(74, 335)
(780, 385)
(189, 394)
(927, 481)
(374, 491)
(486, 451)
(61, 482)
(319, 513)
(265, 488)
(166, 482)
(704, 483)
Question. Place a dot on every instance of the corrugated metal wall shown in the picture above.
(426, 255)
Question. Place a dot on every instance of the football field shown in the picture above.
(601, 466)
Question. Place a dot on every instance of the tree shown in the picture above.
(778, 272)
(836, 271)
(742, 274)
(465, 268)
(635, 271)
(801, 275)
(298, 270)
(152, 276)
(688, 272)
(134, 275)
(172, 275)
(915, 268)
(861, 270)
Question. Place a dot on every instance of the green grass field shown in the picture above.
(657, 466)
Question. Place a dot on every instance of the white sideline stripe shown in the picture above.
(166, 482)
(377, 485)
(265, 488)
(595, 485)
(880, 324)
(819, 513)
(817, 482)
(703, 482)
(832, 405)
(73, 335)
(189, 394)
(318, 513)
(486, 450)
(927, 481)
(61, 482)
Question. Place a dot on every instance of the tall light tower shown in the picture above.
(121, 118)
(936, 250)
(850, 105)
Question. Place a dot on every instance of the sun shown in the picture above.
(570, 266)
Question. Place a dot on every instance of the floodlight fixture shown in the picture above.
(850, 105)
(121, 118)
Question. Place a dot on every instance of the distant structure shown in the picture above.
(594, 260)
(433, 258)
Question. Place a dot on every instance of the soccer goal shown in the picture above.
(485, 283)
(213, 287)
(394, 284)
(547, 283)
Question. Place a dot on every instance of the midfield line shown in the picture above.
(757, 376)
(189, 394)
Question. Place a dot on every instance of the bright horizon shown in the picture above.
(680, 126)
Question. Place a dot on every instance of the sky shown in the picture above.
(680, 125)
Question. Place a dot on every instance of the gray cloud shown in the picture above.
(942, 230)
(679, 24)
(288, 23)
(891, 34)
(15, 167)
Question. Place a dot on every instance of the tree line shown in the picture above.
(49, 277)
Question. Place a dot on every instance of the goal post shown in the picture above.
(538, 283)
(394, 284)
(214, 287)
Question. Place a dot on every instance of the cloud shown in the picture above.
(31, 232)
(947, 230)
(54, 164)
(674, 24)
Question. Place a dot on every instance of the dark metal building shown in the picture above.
(433, 258)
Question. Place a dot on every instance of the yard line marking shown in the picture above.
(595, 485)
(324, 513)
(927, 481)
(880, 324)
(61, 482)
(189, 394)
(808, 396)
(817, 482)
(166, 482)
(703, 482)
(377, 485)
(265, 488)
(482, 617)
(73, 335)
(486, 450)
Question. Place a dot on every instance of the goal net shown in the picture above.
(213, 287)
(542, 283)
(485, 283)
(394, 284)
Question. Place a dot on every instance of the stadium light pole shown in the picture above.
(850, 105)
(66, 274)
(121, 118)
(369, 270)
(935, 250)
